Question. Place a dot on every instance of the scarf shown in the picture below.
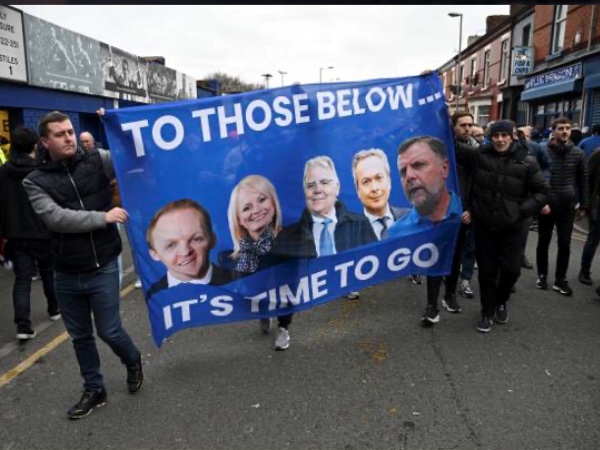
(251, 251)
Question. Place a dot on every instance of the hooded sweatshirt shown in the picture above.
(17, 218)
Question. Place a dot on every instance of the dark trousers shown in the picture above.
(467, 265)
(564, 227)
(591, 244)
(30, 256)
(92, 298)
(284, 321)
(434, 283)
(499, 255)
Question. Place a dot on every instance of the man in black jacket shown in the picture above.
(71, 193)
(508, 187)
(28, 237)
(569, 195)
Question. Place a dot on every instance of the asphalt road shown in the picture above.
(358, 375)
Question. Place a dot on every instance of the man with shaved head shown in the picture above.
(87, 141)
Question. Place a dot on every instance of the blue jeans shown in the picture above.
(26, 253)
(591, 244)
(94, 292)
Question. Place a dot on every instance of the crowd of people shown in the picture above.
(59, 212)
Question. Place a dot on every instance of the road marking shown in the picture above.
(32, 359)
(23, 366)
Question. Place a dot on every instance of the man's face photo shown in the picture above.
(321, 190)
(181, 242)
(423, 174)
(373, 184)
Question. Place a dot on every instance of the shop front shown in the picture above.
(555, 93)
(591, 85)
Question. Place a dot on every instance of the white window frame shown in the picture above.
(473, 68)
(487, 58)
(504, 60)
(559, 28)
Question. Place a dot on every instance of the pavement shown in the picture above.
(360, 374)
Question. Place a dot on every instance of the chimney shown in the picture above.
(472, 39)
(515, 10)
(492, 22)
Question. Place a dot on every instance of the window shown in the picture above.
(560, 24)
(483, 116)
(545, 114)
(504, 61)
(473, 70)
(526, 35)
(461, 72)
(486, 68)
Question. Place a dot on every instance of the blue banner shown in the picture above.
(271, 202)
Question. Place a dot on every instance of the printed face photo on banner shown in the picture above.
(257, 202)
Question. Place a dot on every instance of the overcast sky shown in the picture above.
(360, 42)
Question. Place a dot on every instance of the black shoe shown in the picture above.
(89, 400)
(542, 282)
(562, 286)
(584, 278)
(25, 332)
(502, 314)
(451, 304)
(431, 316)
(526, 263)
(485, 324)
(135, 376)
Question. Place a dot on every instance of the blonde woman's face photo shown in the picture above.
(255, 211)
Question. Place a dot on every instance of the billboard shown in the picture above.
(13, 65)
(162, 84)
(61, 59)
(124, 75)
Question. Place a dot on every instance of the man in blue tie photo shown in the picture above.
(325, 228)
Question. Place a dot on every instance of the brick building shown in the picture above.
(484, 71)
(566, 76)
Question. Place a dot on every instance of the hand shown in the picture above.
(545, 210)
(465, 217)
(116, 214)
(101, 112)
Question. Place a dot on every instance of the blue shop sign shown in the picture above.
(562, 75)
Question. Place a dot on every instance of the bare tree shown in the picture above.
(231, 85)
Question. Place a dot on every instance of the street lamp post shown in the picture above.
(321, 69)
(267, 76)
(458, 81)
(282, 73)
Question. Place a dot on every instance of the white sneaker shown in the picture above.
(265, 325)
(282, 340)
(138, 284)
(353, 295)
(55, 317)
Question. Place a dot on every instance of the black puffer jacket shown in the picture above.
(508, 187)
(568, 176)
(17, 218)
